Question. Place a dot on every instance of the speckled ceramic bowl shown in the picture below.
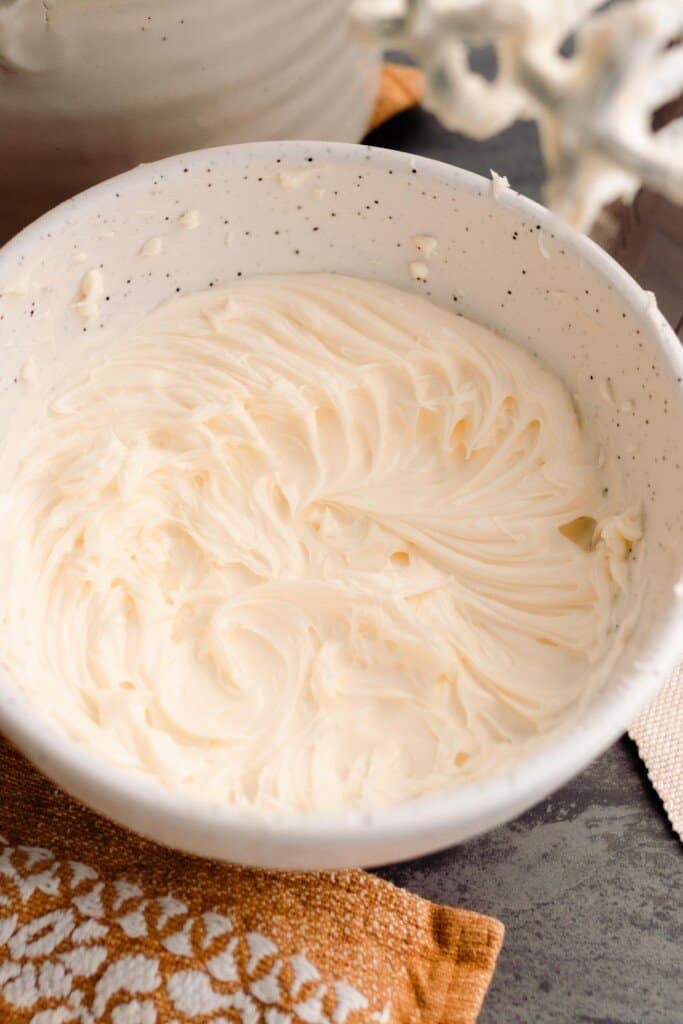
(502, 260)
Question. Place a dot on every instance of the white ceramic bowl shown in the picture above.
(502, 260)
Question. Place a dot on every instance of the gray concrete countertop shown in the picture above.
(589, 883)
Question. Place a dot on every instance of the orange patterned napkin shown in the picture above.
(99, 925)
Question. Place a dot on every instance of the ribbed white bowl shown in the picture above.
(88, 90)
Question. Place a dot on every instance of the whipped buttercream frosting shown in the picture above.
(309, 543)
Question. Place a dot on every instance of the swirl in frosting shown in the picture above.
(308, 543)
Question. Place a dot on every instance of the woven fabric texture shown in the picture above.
(658, 733)
(99, 925)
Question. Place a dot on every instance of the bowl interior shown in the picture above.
(502, 260)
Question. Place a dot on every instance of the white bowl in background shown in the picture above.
(90, 90)
(502, 260)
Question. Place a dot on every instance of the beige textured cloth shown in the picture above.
(98, 926)
(658, 733)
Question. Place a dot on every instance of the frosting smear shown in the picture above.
(308, 543)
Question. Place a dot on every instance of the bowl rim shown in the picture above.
(474, 806)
